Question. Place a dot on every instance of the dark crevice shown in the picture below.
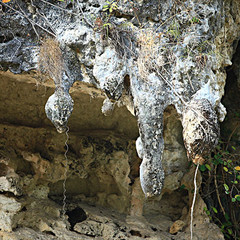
(154, 229)
(50, 233)
(122, 15)
(75, 216)
(4, 39)
(231, 99)
(135, 233)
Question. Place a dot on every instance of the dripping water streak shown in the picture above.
(65, 175)
(194, 199)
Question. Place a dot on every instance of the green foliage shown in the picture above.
(103, 23)
(223, 168)
(214, 209)
(183, 187)
(208, 167)
(110, 6)
(194, 20)
(174, 30)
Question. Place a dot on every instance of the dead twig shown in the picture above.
(31, 21)
(230, 136)
(217, 191)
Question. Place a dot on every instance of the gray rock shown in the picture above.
(170, 59)
(200, 129)
(59, 108)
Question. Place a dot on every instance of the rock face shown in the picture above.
(161, 59)
(201, 130)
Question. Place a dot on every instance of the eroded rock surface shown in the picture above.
(104, 195)
(176, 58)
(149, 56)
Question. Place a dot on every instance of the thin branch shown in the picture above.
(217, 191)
(29, 21)
(83, 15)
(47, 21)
(230, 136)
(32, 22)
(69, 12)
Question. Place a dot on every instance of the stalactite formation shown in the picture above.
(172, 61)
(200, 129)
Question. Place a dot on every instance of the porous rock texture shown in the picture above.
(158, 58)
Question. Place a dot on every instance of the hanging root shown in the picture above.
(65, 175)
(194, 199)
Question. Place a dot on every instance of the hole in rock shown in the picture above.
(50, 233)
(75, 216)
(135, 233)
(24, 209)
(127, 82)
(69, 6)
(6, 38)
(154, 229)
(3, 169)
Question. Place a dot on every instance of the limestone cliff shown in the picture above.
(135, 82)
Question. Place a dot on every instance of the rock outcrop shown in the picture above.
(163, 60)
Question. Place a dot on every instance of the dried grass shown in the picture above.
(51, 60)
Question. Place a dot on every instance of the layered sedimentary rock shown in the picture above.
(150, 56)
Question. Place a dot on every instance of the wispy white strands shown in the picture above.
(194, 199)
(65, 175)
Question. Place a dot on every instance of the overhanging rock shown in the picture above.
(172, 55)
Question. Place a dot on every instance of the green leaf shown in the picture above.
(226, 235)
(208, 213)
(182, 186)
(214, 209)
(208, 167)
(202, 168)
(218, 147)
(233, 148)
(227, 218)
(238, 177)
(235, 182)
(237, 197)
(226, 187)
(225, 169)
(230, 231)
(234, 200)
(107, 25)
(220, 160)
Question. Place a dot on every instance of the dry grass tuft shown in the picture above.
(51, 60)
(147, 53)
